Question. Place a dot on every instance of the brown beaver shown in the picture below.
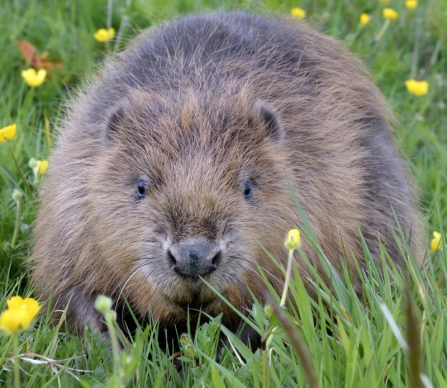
(171, 167)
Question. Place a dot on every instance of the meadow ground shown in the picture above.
(395, 335)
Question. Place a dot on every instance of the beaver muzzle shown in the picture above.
(194, 257)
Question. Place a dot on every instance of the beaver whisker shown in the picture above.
(271, 275)
(244, 290)
(247, 271)
(212, 303)
(131, 275)
(142, 263)
(126, 262)
(150, 298)
(152, 240)
(224, 229)
(236, 257)
(144, 171)
(163, 230)
(139, 285)
(135, 269)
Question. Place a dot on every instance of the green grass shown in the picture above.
(350, 340)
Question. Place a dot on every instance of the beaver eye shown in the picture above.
(141, 189)
(247, 190)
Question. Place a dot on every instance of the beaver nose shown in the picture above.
(194, 256)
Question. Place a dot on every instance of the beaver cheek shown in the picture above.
(194, 257)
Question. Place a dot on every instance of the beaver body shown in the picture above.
(171, 166)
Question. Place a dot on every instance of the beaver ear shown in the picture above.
(114, 122)
(268, 115)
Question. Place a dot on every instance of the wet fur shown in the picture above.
(196, 109)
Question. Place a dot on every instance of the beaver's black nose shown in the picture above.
(194, 256)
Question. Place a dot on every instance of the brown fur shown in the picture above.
(197, 109)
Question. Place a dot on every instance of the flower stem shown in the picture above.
(109, 20)
(20, 172)
(47, 129)
(265, 370)
(16, 361)
(383, 29)
(415, 55)
(16, 228)
(288, 273)
(114, 341)
(268, 341)
(8, 345)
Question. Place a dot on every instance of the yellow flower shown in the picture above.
(19, 314)
(411, 4)
(386, 2)
(41, 167)
(364, 19)
(419, 88)
(436, 242)
(8, 133)
(298, 13)
(104, 35)
(390, 14)
(293, 239)
(33, 78)
(326, 15)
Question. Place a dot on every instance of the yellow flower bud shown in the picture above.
(17, 195)
(390, 14)
(8, 133)
(411, 4)
(33, 163)
(103, 35)
(185, 340)
(364, 19)
(293, 240)
(436, 243)
(33, 78)
(41, 167)
(418, 88)
(19, 314)
(268, 311)
(103, 304)
(298, 13)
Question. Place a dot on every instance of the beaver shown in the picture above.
(172, 166)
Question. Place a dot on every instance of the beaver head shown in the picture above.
(188, 189)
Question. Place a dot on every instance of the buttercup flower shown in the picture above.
(33, 78)
(390, 14)
(8, 133)
(435, 243)
(364, 19)
(418, 88)
(411, 4)
(293, 239)
(298, 13)
(19, 314)
(103, 35)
